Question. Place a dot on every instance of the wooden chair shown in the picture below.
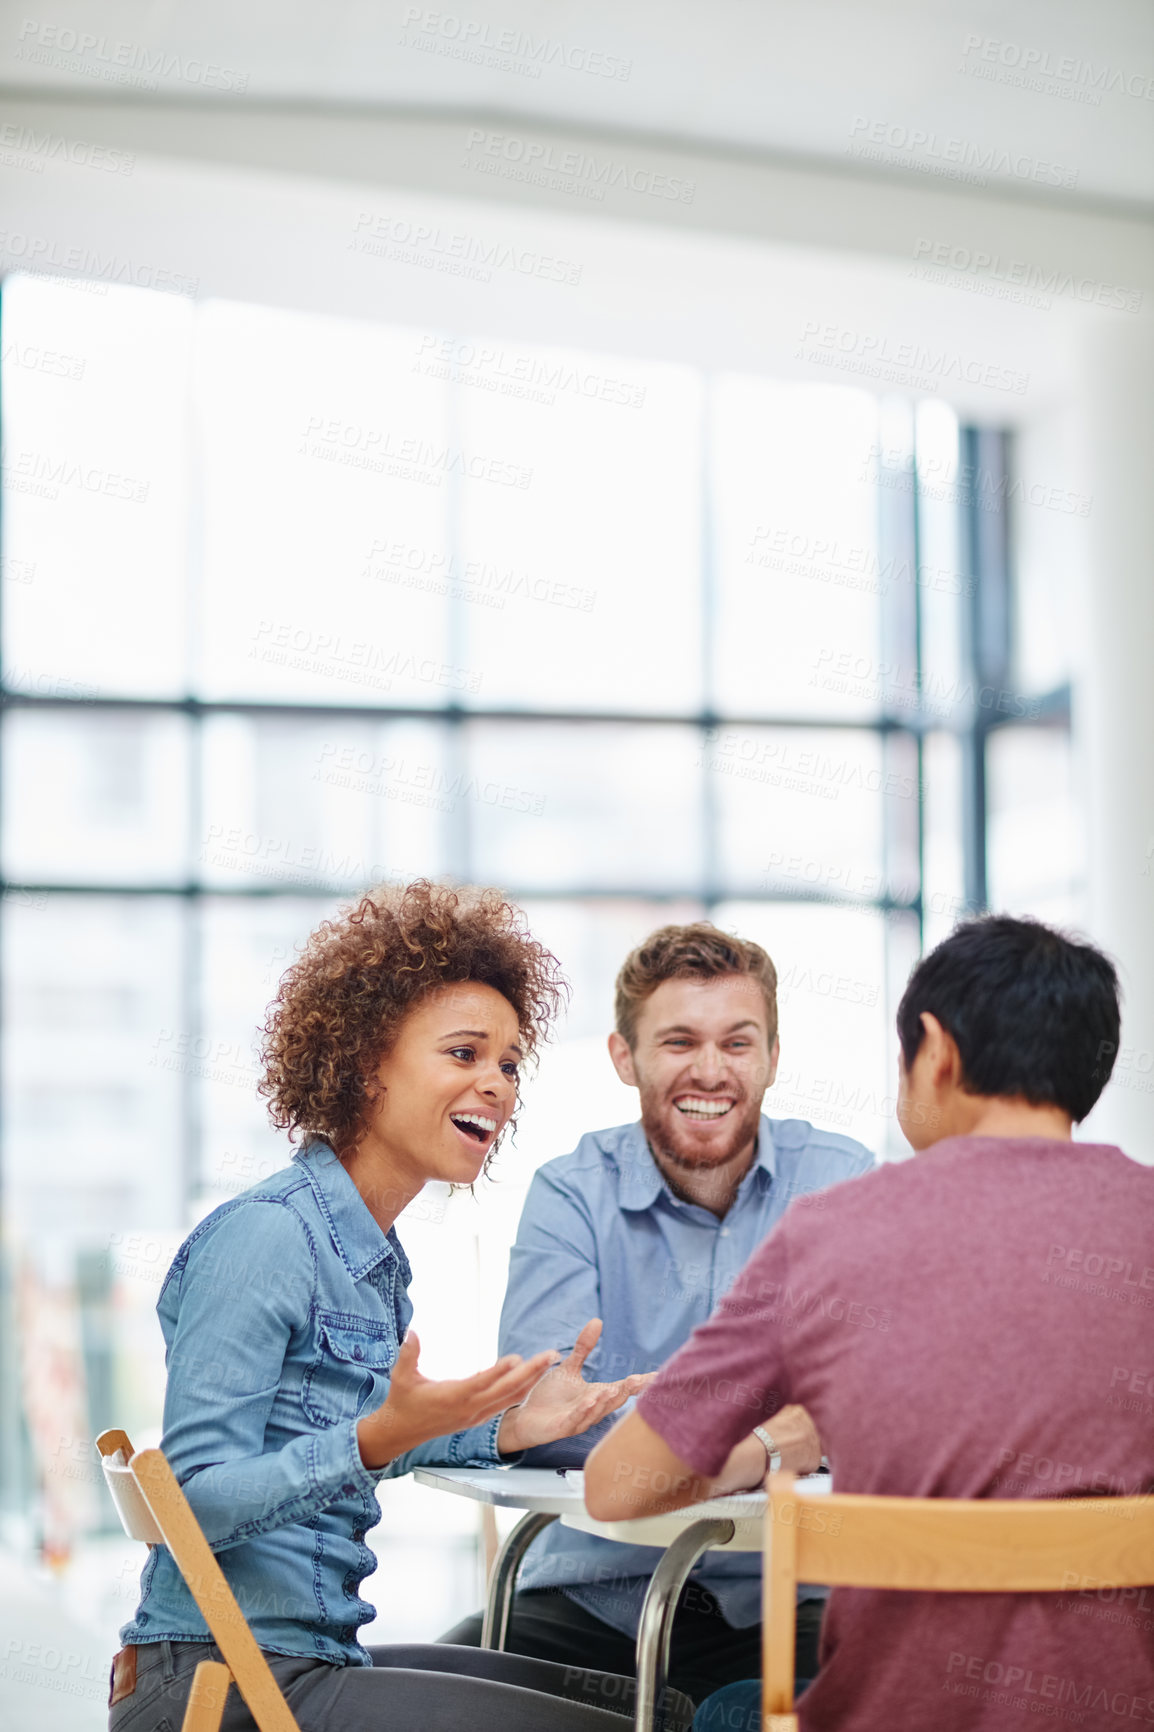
(152, 1508)
(936, 1545)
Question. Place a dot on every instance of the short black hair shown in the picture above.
(1035, 1013)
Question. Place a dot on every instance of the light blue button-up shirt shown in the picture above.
(282, 1316)
(602, 1235)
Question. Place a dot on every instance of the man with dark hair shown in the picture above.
(1033, 1015)
(1016, 1269)
(646, 1225)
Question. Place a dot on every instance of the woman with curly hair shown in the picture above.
(392, 1054)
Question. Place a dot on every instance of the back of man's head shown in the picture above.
(1034, 1013)
(699, 951)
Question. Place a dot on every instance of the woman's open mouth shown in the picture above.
(475, 1127)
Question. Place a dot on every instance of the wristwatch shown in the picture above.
(771, 1448)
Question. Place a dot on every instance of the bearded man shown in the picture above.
(647, 1226)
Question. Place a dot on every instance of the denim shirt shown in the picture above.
(602, 1235)
(282, 1315)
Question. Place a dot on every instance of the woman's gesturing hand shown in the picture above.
(562, 1404)
(419, 1408)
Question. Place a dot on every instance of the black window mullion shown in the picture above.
(711, 865)
(984, 458)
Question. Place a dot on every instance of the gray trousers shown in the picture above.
(408, 1688)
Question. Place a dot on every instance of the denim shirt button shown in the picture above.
(348, 1490)
(358, 1353)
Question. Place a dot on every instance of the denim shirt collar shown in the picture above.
(359, 1242)
(641, 1181)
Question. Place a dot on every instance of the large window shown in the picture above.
(294, 604)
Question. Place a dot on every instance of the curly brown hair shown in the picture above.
(338, 1008)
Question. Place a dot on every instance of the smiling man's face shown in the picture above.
(702, 1061)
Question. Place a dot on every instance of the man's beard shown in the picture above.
(675, 1143)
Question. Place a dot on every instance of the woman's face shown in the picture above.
(448, 1085)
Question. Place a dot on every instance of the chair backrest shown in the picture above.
(938, 1545)
(153, 1508)
(136, 1518)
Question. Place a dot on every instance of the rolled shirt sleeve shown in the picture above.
(233, 1316)
(476, 1447)
(554, 1289)
(554, 1283)
(733, 1372)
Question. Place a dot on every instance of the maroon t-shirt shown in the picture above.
(975, 1322)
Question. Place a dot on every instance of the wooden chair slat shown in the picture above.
(110, 1441)
(136, 1518)
(779, 1622)
(214, 1598)
(204, 1709)
(938, 1545)
(948, 1545)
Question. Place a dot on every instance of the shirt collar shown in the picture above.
(640, 1180)
(359, 1241)
(766, 1158)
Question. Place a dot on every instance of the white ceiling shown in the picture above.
(786, 78)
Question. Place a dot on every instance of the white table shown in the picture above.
(734, 1524)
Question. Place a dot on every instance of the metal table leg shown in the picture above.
(502, 1582)
(656, 1625)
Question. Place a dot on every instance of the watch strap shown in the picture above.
(771, 1449)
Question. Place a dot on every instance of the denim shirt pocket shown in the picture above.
(349, 1372)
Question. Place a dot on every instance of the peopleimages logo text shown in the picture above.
(23, 146)
(1021, 273)
(962, 155)
(1067, 69)
(43, 252)
(597, 173)
(122, 62)
(477, 40)
(428, 244)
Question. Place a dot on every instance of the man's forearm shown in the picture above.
(745, 1470)
(633, 1472)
